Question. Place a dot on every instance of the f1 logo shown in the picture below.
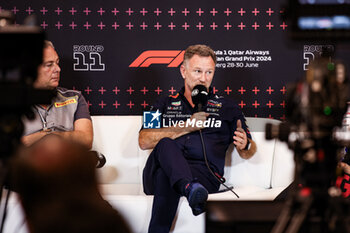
(151, 119)
(171, 57)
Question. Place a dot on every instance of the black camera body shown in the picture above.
(315, 108)
(21, 54)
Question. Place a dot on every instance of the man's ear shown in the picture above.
(182, 71)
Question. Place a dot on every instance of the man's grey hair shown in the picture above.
(200, 50)
(47, 44)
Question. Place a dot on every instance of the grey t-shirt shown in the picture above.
(67, 107)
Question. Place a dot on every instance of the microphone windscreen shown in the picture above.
(199, 96)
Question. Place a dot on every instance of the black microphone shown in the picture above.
(199, 97)
(99, 158)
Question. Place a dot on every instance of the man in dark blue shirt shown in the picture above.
(176, 167)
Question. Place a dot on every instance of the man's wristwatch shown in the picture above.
(247, 147)
(47, 131)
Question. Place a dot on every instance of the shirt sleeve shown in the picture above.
(82, 109)
(233, 114)
(244, 124)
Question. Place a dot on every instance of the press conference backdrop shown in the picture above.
(123, 55)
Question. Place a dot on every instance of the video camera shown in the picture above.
(21, 49)
(314, 128)
(315, 108)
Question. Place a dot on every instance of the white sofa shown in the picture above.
(262, 177)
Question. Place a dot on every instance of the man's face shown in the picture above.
(198, 70)
(49, 70)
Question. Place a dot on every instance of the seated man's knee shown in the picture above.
(166, 142)
(165, 146)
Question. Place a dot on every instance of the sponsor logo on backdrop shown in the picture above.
(311, 52)
(237, 59)
(152, 120)
(88, 58)
(225, 58)
(172, 58)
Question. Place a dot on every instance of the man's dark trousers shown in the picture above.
(166, 165)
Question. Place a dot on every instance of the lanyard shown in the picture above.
(43, 120)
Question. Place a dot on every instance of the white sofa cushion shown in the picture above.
(252, 172)
(117, 138)
(271, 166)
(283, 165)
